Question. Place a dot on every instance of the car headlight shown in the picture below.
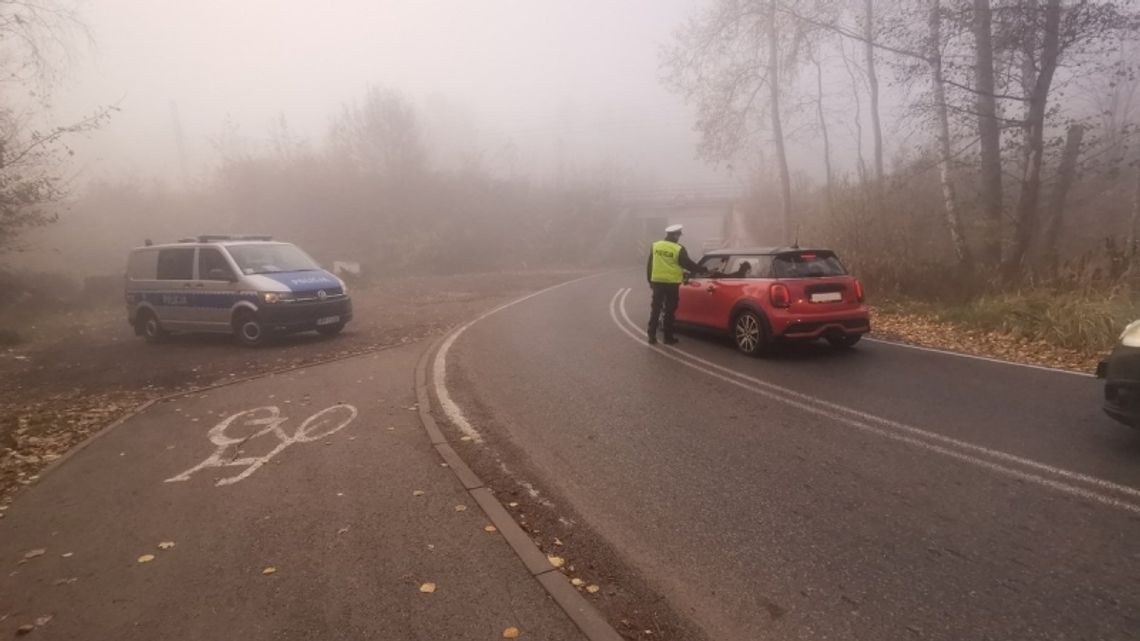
(1131, 335)
(276, 297)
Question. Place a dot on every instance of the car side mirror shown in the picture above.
(218, 273)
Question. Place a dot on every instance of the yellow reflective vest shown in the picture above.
(666, 266)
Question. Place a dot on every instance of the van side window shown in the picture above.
(212, 265)
(176, 264)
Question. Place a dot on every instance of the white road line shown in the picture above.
(439, 365)
(980, 358)
(891, 430)
(1010, 458)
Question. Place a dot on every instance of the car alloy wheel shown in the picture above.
(748, 333)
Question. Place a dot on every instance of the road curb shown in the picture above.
(584, 615)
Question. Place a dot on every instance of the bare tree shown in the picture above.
(945, 155)
(34, 43)
(989, 131)
(381, 135)
(726, 61)
(873, 87)
(777, 123)
(1066, 175)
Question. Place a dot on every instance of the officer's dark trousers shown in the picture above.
(665, 299)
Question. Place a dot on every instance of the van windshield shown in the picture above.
(271, 258)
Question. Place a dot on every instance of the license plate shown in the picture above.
(827, 297)
(328, 320)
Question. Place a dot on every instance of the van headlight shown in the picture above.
(1131, 335)
(276, 297)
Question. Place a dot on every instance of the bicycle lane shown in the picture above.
(303, 505)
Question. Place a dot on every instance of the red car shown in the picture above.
(758, 296)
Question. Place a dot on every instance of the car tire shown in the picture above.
(844, 341)
(249, 330)
(750, 333)
(150, 328)
(330, 330)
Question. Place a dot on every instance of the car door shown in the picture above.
(725, 291)
(176, 282)
(695, 294)
(214, 290)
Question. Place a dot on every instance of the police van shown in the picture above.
(250, 286)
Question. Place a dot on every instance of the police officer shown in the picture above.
(665, 272)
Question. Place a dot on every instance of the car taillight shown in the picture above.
(859, 291)
(779, 295)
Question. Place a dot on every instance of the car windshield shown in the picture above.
(807, 265)
(271, 258)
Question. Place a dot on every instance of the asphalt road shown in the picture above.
(881, 493)
(348, 503)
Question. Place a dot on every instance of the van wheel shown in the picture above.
(249, 330)
(844, 341)
(749, 333)
(330, 330)
(150, 328)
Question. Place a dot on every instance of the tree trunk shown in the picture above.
(1066, 174)
(777, 124)
(988, 131)
(860, 162)
(945, 156)
(829, 192)
(1133, 228)
(873, 86)
(1026, 220)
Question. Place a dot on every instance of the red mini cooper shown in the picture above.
(758, 296)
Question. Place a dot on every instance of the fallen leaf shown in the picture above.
(490, 528)
(68, 555)
(427, 588)
(44, 620)
(511, 633)
(343, 530)
(557, 541)
(146, 558)
(25, 629)
(166, 545)
(31, 554)
(418, 493)
(513, 504)
(576, 582)
(592, 589)
(556, 561)
(460, 508)
(269, 570)
(465, 438)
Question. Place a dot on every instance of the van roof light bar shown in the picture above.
(209, 238)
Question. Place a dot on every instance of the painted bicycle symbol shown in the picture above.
(253, 427)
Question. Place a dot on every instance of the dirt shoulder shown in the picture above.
(924, 328)
(79, 372)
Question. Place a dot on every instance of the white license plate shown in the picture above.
(328, 320)
(827, 297)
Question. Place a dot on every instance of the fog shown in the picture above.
(565, 82)
(401, 132)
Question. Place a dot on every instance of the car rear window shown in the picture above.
(807, 264)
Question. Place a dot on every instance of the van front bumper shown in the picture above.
(300, 317)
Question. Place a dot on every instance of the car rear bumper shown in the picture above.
(300, 317)
(1122, 385)
(801, 327)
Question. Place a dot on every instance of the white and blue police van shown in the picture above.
(249, 286)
